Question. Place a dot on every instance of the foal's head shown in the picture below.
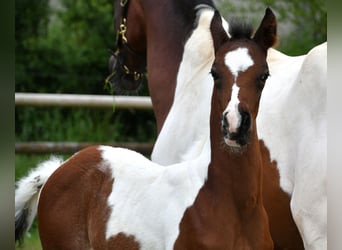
(240, 71)
(127, 64)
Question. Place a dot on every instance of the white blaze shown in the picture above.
(233, 115)
(237, 61)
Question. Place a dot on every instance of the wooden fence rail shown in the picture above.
(73, 100)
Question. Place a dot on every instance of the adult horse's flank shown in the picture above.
(114, 198)
(292, 124)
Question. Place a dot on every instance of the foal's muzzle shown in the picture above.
(239, 135)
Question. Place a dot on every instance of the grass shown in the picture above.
(31, 240)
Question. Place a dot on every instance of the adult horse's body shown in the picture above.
(295, 104)
(113, 198)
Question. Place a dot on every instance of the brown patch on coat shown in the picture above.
(73, 210)
(283, 229)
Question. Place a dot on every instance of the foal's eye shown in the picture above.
(264, 76)
(262, 80)
(214, 74)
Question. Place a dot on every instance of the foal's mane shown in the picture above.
(239, 29)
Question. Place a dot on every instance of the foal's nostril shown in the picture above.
(245, 121)
(224, 123)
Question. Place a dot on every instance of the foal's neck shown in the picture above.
(236, 174)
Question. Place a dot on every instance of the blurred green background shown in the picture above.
(62, 47)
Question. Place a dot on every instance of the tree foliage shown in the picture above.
(61, 47)
(302, 23)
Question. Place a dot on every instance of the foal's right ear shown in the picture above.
(218, 33)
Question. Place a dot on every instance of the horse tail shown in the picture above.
(27, 192)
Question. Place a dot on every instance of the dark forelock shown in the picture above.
(239, 29)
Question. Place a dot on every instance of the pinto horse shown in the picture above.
(297, 138)
(115, 198)
(279, 165)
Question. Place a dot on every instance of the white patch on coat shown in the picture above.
(186, 127)
(292, 123)
(148, 200)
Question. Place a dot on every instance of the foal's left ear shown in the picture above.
(218, 33)
(266, 34)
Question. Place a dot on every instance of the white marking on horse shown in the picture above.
(149, 188)
(192, 96)
(233, 115)
(148, 200)
(237, 61)
(297, 139)
(225, 26)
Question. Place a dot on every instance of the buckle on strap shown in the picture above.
(123, 30)
(123, 3)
